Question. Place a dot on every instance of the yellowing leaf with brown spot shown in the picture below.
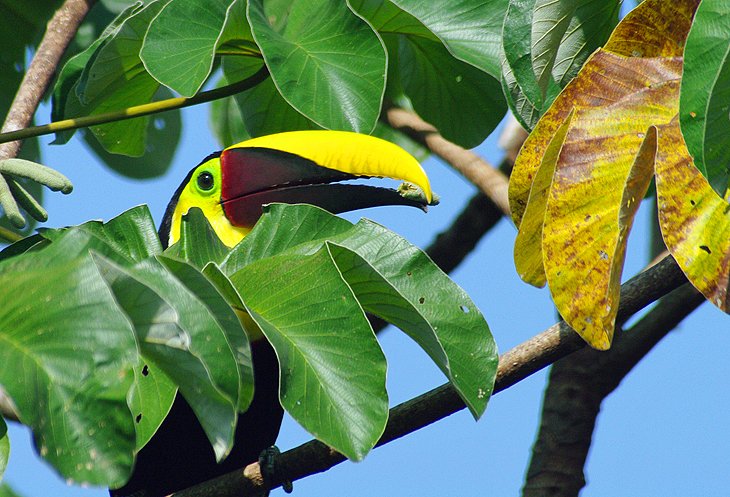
(694, 219)
(578, 181)
(528, 245)
(656, 28)
(605, 79)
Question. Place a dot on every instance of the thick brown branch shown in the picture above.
(60, 31)
(492, 182)
(579, 383)
(556, 342)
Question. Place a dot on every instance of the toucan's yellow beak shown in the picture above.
(295, 167)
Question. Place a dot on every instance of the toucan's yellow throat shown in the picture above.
(295, 167)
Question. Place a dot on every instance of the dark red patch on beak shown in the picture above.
(252, 177)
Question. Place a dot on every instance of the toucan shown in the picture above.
(230, 187)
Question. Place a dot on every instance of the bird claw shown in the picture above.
(269, 464)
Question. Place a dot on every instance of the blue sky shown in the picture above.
(663, 432)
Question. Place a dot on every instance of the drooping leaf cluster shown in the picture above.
(102, 327)
(584, 169)
(332, 65)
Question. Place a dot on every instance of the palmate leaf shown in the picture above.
(391, 279)
(88, 298)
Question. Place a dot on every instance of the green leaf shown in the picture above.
(704, 100)
(283, 227)
(198, 242)
(392, 279)
(464, 103)
(149, 399)
(470, 29)
(130, 237)
(4, 447)
(7, 491)
(332, 369)
(263, 110)
(325, 61)
(114, 79)
(66, 359)
(386, 18)
(397, 282)
(163, 137)
(181, 41)
(178, 333)
(545, 44)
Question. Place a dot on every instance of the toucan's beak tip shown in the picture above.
(411, 191)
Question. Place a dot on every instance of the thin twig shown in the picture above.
(522, 361)
(492, 182)
(137, 110)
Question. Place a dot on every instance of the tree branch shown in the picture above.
(60, 31)
(522, 361)
(579, 383)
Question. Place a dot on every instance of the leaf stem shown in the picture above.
(137, 110)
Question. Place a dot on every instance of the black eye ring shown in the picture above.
(206, 181)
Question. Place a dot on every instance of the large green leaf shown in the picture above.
(181, 42)
(704, 100)
(113, 79)
(325, 61)
(66, 360)
(463, 102)
(178, 334)
(332, 369)
(470, 29)
(545, 44)
(391, 279)
(263, 110)
(129, 237)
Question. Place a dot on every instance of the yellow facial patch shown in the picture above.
(204, 191)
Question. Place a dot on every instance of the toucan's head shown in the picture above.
(295, 167)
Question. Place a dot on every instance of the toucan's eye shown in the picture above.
(206, 181)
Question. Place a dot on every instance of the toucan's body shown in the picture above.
(230, 187)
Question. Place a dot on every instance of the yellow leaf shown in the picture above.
(528, 245)
(695, 221)
(583, 171)
(657, 28)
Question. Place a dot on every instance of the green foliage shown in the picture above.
(545, 44)
(327, 63)
(705, 97)
(133, 325)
